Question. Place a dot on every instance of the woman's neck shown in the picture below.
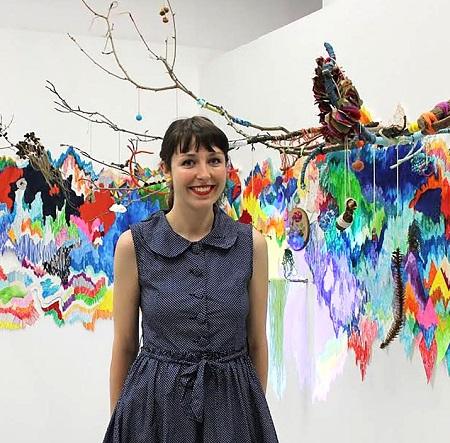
(192, 224)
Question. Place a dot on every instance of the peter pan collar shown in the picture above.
(159, 236)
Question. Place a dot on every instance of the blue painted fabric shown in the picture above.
(193, 380)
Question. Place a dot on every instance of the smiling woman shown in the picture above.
(194, 155)
(201, 281)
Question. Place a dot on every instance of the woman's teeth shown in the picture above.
(202, 189)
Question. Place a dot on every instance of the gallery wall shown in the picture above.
(393, 53)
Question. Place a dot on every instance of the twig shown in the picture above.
(95, 117)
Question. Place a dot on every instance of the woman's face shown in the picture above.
(198, 178)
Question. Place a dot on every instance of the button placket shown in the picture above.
(201, 318)
(196, 248)
(200, 294)
(197, 269)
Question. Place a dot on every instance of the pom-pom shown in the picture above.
(358, 165)
(413, 127)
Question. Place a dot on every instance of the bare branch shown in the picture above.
(93, 11)
(177, 84)
(172, 15)
(94, 61)
(332, 89)
(86, 154)
(95, 117)
(109, 39)
(141, 37)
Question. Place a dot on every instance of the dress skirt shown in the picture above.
(191, 397)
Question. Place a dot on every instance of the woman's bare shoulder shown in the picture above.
(259, 241)
(125, 242)
(125, 253)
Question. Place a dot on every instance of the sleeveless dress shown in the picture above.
(193, 380)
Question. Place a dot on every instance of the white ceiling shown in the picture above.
(217, 24)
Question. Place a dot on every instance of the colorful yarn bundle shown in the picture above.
(426, 120)
(338, 100)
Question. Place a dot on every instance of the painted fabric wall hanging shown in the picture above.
(57, 242)
(386, 272)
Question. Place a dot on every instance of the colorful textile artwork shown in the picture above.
(358, 292)
(56, 251)
(56, 248)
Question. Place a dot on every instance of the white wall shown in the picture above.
(31, 58)
(54, 382)
(395, 52)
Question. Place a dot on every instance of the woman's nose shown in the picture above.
(203, 170)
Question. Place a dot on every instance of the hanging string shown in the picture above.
(253, 165)
(118, 148)
(345, 172)
(176, 102)
(349, 190)
(90, 137)
(139, 100)
(345, 169)
(398, 187)
(374, 178)
(138, 115)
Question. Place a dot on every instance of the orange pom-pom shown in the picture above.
(365, 116)
(358, 165)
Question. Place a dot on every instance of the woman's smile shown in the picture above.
(202, 190)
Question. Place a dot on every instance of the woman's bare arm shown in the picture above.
(125, 313)
(256, 321)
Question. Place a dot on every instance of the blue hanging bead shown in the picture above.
(139, 117)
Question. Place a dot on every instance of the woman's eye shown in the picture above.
(215, 161)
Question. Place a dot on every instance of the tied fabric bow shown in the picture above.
(193, 380)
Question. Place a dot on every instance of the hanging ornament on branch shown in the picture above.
(345, 220)
(398, 301)
(139, 116)
(341, 113)
(298, 229)
(163, 12)
(358, 164)
(290, 272)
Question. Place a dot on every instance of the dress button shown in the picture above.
(196, 271)
(202, 341)
(196, 248)
(197, 294)
(201, 317)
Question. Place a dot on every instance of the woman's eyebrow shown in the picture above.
(194, 154)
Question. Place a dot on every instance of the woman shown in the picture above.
(200, 279)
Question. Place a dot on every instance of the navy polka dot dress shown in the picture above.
(193, 380)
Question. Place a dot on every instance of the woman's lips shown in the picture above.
(202, 190)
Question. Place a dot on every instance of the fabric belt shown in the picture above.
(192, 377)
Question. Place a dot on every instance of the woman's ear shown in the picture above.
(163, 168)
